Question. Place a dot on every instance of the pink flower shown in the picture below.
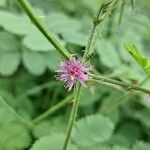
(72, 71)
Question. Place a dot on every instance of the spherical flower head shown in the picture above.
(73, 71)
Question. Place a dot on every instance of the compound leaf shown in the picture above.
(140, 58)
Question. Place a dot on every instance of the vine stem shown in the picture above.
(72, 116)
(120, 83)
(43, 28)
(53, 109)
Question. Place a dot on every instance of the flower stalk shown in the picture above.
(72, 116)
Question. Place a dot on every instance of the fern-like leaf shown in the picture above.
(140, 58)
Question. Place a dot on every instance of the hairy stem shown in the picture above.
(103, 12)
(42, 27)
(53, 109)
(120, 83)
(72, 116)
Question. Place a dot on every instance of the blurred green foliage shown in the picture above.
(28, 85)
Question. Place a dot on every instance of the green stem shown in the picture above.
(103, 12)
(119, 100)
(72, 116)
(42, 27)
(52, 109)
(120, 83)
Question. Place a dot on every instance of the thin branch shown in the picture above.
(103, 12)
(72, 116)
(119, 100)
(53, 109)
(120, 83)
(43, 28)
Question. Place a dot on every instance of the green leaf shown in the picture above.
(145, 101)
(9, 55)
(92, 129)
(6, 37)
(111, 102)
(119, 148)
(144, 116)
(17, 24)
(21, 25)
(34, 62)
(49, 127)
(129, 137)
(2, 3)
(9, 63)
(61, 23)
(75, 38)
(95, 147)
(51, 142)
(108, 54)
(8, 112)
(140, 58)
(36, 41)
(114, 115)
(14, 136)
(52, 60)
(119, 140)
(89, 96)
(140, 145)
(104, 147)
